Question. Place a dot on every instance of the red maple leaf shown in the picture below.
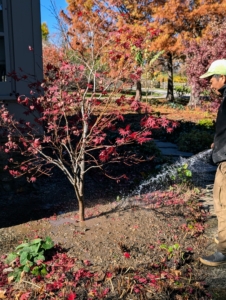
(36, 143)
(33, 179)
(169, 130)
(98, 140)
(149, 122)
(109, 275)
(142, 140)
(71, 296)
(175, 124)
(25, 296)
(126, 254)
(105, 292)
(86, 262)
(125, 131)
(105, 154)
(164, 122)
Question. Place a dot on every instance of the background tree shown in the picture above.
(179, 21)
(132, 45)
(200, 54)
(52, 55)
(128, 35)
(45, 31)
(136, 15)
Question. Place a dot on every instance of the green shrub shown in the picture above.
(176, 106)
(181, 90)
(30, 257)
(206, 123)
(195, 140)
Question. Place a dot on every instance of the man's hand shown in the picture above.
(212, 145)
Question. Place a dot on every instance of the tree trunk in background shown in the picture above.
(194, 97)
(138, 91)
(170, 95)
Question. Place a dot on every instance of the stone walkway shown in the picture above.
(170, 149)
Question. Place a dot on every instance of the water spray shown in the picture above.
(196, 163)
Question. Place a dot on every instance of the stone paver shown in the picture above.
(170, 149)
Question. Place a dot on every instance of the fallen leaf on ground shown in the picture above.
(2, 294)
(99, 276)
(126, 254)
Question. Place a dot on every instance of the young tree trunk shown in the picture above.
(79, 182)
(170, 95)
(79, 189)
(81, 208)
(138, 91)
(194, 97)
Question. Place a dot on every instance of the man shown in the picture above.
(217, 76)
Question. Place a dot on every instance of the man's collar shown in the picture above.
(222, 90)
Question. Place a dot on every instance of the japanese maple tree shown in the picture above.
(75, 117)
(71, 127)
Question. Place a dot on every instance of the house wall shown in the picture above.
(22, 28)
(22, 20)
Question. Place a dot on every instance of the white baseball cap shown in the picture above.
(218, 67)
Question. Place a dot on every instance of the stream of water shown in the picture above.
(200, 165)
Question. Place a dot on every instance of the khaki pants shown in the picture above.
(219, 198)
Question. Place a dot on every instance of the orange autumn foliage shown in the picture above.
(107, 39)
(89, 23)
(101, 33)
(181, 20)
(52, 55)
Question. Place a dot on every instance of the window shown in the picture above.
(19, 28)
(2, 46)
(6, 86)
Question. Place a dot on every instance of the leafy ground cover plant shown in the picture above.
(183, 175)
(170, 249)
(29, 257)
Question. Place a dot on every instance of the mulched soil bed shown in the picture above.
(139, 248)
(134, 248)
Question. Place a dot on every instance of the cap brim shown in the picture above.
(207, 74)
